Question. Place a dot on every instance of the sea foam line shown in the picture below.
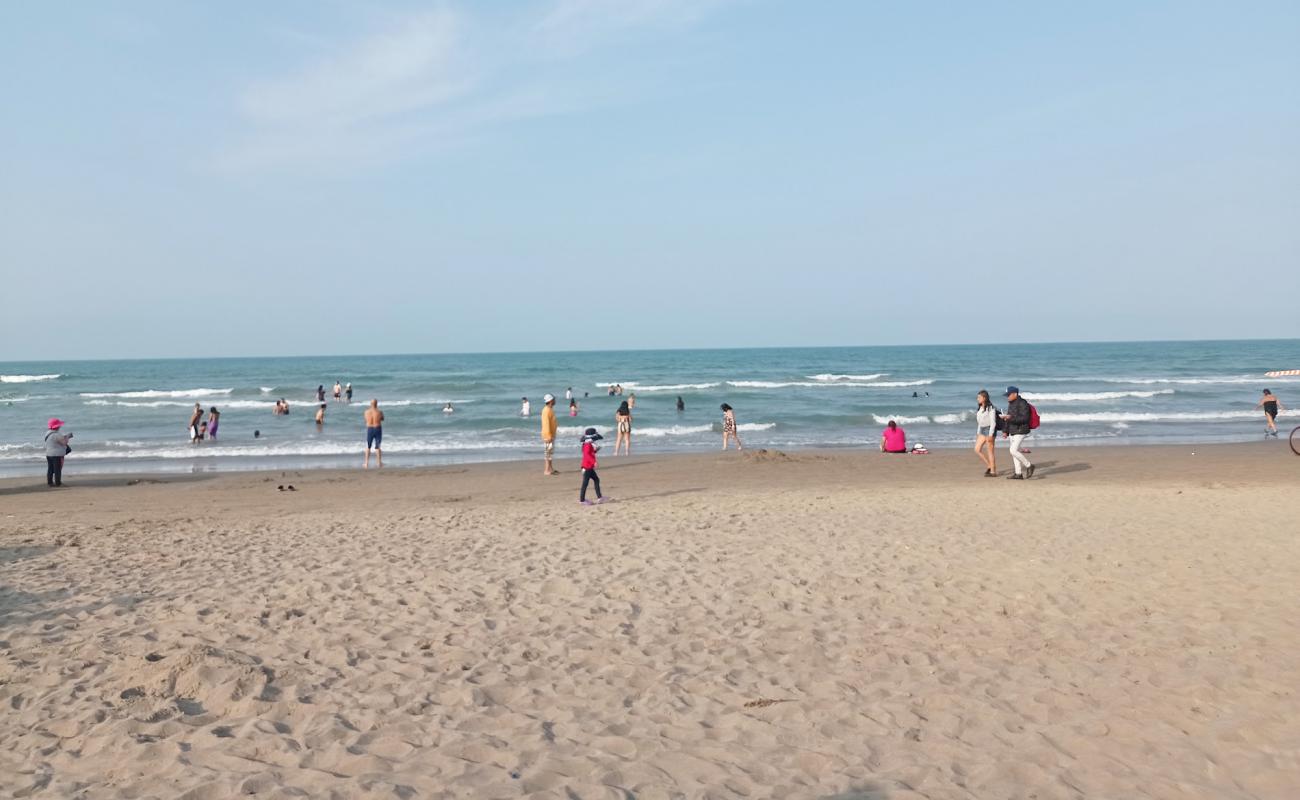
(162, 393)
(27, 378)
(1071, 397)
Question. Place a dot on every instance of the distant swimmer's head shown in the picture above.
(257, 434)
(725, 407)
(892, 425)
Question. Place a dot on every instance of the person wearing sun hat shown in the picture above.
(549, 426)
(56, 447)
(589, 450)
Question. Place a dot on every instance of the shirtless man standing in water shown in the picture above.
(374, 433)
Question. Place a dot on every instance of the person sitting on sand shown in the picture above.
(729, 430)
(1271, 406)
(893, 439)
(374, 434)
(320, 416)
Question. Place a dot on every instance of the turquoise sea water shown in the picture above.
(131, 415)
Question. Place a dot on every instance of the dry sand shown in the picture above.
(842, 625)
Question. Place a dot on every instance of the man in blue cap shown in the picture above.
(1017, 428)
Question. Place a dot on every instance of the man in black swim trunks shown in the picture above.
(1271, 406)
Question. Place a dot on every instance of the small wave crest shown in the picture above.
(668, 387)
(1071, 397)
(831, 377)
(162, 393)
(826, 384)
(28, 378)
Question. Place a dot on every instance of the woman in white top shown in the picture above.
(986, 431)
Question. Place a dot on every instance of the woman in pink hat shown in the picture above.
(56, 447)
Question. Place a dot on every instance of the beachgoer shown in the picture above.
(214, 419)
(195, 418)
(347, 392)
(525, 408)
(729, 430)
(56, 449)
(320, 393)
(203, 430)
(549, 426)
(893, 439)
(1016, 428)
(623, 420)
(611, 390)
(374, 434)
(618, 389)
(573, 407)
(914, 394)
(631, 401)
(338, 390)
(447, 409)
(1271, 406)
(589, 450)
(681, 404)
(320, 415)
(568, 393)
(986, 431)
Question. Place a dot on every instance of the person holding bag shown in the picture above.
(56, 448)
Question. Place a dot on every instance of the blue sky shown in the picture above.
(345, 177)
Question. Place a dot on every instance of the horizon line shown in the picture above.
(643, 350)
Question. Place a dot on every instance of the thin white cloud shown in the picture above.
(430, 80)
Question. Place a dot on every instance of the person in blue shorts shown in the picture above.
(374, 434)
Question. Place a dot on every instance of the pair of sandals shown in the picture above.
(288, 488)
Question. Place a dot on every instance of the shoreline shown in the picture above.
(1234, 463)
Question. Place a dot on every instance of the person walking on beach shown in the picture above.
(729, 430)
(1016, 428)
(338, 390)
(623, 424)
(347, 392)
(56, 449)
(986, 431)
(589, 450)
(195, 418)
(214, 419)
(320, 416)
(374, 434)
(549, 426)
(1271, 406)
(893, 439)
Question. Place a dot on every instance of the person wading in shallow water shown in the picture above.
(374, 434)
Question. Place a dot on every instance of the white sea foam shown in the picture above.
(669, 387)
(826, 376)
(1072, 397)
(826, 384)
(224, 404)
(267, 389)
(899, 418)
(27, 378)
(1173, 416)
(1193, 381)
(162, 393)
(951, 419)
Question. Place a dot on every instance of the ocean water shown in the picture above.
(131, 415)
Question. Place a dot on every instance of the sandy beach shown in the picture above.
(804, 625)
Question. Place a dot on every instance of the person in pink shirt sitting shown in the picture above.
(893, 439)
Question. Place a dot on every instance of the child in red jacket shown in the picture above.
(589, 475)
